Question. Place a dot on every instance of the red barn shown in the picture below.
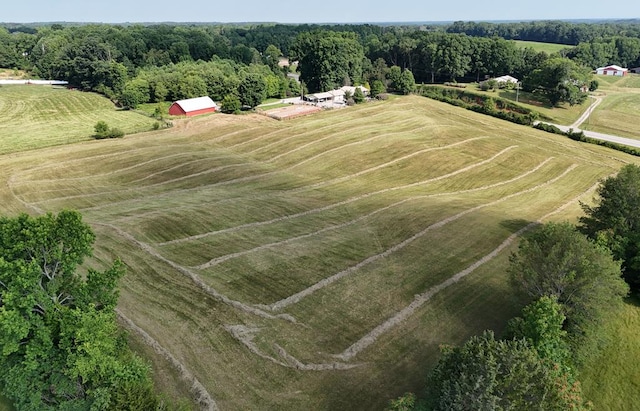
(193, 107)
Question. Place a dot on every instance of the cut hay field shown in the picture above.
(316, 263)
(37, 116)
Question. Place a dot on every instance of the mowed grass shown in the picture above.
(548, 48)
(311, 263)
(612, 380)
(620, 108)
(37, 116)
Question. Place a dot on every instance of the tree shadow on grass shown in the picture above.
(513, 225)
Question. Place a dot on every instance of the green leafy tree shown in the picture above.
(558, 261)
(490, 374)
(60, 345)
(230, 104)
(358, 96)
(541, 324)
(406, 83)
(135, 92)
(559, 80)
(101, 128)
(327, 58)
(252, 90)
(615, 220)
(377, 87)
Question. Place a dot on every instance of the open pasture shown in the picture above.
(548, 48)
(38, 116)
(620, 107)
(316, 263)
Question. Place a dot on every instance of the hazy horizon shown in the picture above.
(326, 12)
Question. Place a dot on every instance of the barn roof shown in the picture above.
(613, 67)
(198, 103)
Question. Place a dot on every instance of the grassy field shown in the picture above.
(316, 263)
(37, 116)
(620, 108)
(612, 381)
(548, 48)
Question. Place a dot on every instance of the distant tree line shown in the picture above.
(116, 60)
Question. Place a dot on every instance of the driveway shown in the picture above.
(593, 134)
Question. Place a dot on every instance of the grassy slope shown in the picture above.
(612, 381)
(285, 205)
(619, 111)
(37, 116)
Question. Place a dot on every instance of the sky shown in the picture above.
(305, 11)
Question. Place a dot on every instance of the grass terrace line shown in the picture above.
(341, 203)
(221, 259)
(293, 299)
(423, 298)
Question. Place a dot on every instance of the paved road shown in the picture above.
(598, 136)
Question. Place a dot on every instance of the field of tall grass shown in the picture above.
(313, 263)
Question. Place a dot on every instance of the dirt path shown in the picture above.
(587, 113)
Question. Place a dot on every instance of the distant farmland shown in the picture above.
(37, 116)
(548, 48)
(315, 263)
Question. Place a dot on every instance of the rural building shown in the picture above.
(193, 107)
(506, 79)
(334, 96)
(612, 70)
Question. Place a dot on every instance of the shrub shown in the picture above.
(102, 130)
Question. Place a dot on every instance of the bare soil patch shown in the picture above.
(293, 111)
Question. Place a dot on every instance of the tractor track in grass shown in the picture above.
(200, 393)
(378, 167)
(186, 177)
(279, 130)
(241, 179)
(295, 298)
(421, 299)
(218, 260)
(195, 278)
(146, 200)
(246, 335)
(341, 203)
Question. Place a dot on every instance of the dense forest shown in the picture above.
(133, 64)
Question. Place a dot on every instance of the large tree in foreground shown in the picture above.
(615, 220)
(60, 346)
(490, 374)
(558, 261)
